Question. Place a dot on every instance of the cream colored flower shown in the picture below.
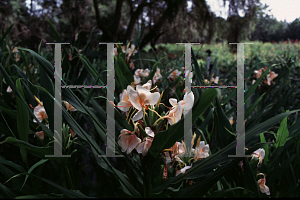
(184, 105)
(175, 114)
(128, 140)
(124, 103)
(147, 85)
(137, 80)
(131, 65)
(15, 50)
(214, 80)
(271, 76)
(149, 132)
(157, 75)
(142, 72)
(262, 185)
(144, 146)
(69, 106)
(187, 103)
(115, 51)
(174, 74)
(231, 120)
(40, 113)
(130, 51)
(183, 170)
(146, 73)
(258, 73)
(138, 72)
(9, 90)
(140, 98)
(40, 134)
(201, 150)
(260, 154)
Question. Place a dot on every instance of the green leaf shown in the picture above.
(32, 168)
(250, 178)
(123, 74)
(45, 64)
(41, 196)
(250, 110)
(200, 79)
(12, 164)
(34, 150)
(22, 120)
(5, 192)
(282, 133)
(69, 193)
(264, 126)
(223, 193)
(48, 101)
(54, 32)
(223, 123)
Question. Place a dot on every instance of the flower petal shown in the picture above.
(173, 102)
(133, 142)
(134, 98)
(149, 131)
(138, 115)
(148, 85)
(125, 105)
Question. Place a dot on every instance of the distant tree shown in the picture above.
(293, 29)
(269, 29)
(240, 27)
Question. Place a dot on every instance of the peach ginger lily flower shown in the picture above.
(137, 80)
(201, 150)
(260, 154)
(146, 144)
(187, 102)
(140, 99)
(9, 90)
(174, 74)
(69, 106)
(157, 75)
(271, 76)
(262, 185)
(175, 114)
(40, 134)
(124, 103)
(142, 72)
(183, 170)
(184, 105)
(40, 113)
(128, 140)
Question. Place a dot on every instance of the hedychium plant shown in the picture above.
(149, 130)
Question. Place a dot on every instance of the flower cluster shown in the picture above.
(270, 77)
(212, 81)
(16, 54)
(41, 115)
(184, 156)
(128, 53)
(262, 185)
(260, 154)
(143, 101)
(140, 73)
